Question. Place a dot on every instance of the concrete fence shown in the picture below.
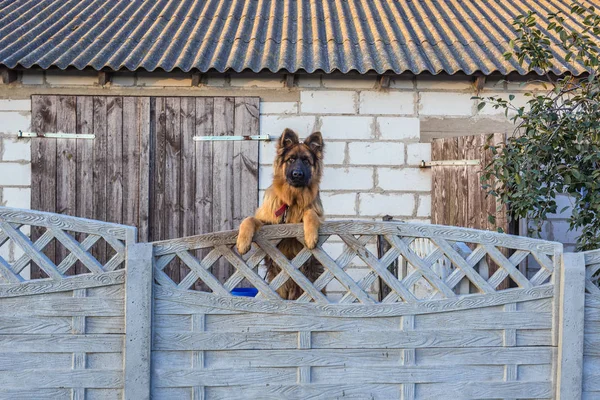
(125, 329)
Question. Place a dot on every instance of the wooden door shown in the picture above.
(143, 167)
(457, 196)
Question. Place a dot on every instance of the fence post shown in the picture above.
(138, 321)
(571, 308)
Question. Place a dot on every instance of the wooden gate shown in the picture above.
(457, 196)
(143, 167)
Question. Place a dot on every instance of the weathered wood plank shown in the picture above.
(204, 165)
(131, 161)
(245, 159)
(222, 191)
(204, 126)
(66, 167)
(188, 168)
(143, 114)
(173, 184)
(100, 174)
(52, 378)
(158, 173)
(51, 285)
(438, 188)
(114, 158)
(43, 166)
(462, 184)
(84, 164)
(60, 344)
(183, 302)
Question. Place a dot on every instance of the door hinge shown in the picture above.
(229, 138)
(57, 135)
(448, 163)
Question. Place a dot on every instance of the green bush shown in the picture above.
(556, 145)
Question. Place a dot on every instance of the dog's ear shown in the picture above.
(288, 138)
(315, 143)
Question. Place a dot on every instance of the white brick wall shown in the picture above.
(399, 128)
(372, 136)
(328, 102)
(380, 102)
(342, 127)
(14, 149)
(446, 103)
(15, 174)
(376, 153)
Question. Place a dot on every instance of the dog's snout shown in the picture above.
(297, 174)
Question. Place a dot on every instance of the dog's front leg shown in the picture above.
(311, 228)
(248, 228)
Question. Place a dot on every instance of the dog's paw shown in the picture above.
(243, 244)
(310, 238)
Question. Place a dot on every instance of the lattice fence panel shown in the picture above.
(59, 246)
(439, 260)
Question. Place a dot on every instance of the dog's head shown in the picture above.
(301, 163)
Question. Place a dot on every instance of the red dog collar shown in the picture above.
(281, 210)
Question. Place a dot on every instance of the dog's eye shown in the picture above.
(291, 160)
(305, 161)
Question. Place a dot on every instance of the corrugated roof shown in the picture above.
(278, 35)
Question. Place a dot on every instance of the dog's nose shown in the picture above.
(297, 174)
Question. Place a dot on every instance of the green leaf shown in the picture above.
(511, 97)
(480, 106)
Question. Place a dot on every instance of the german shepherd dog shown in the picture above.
(292, 198)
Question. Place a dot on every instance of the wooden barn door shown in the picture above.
(457, 196)
(143, 166)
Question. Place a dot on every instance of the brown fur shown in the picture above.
(304, 206)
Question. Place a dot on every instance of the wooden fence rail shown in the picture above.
(121, 328)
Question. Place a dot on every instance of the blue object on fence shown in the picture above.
(245, 291)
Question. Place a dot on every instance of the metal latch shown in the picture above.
(57, 135)
(448, 163)
(230, 138)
